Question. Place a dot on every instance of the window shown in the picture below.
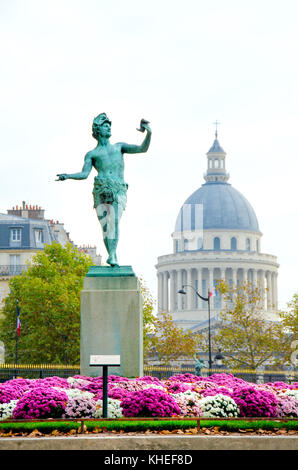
(185, 244)
(216, 244)
(200, 243)
(257, 246)
(176, 246)
(216, 163)
(14, 264)
(16, 234)
(39, 240)
(233, 244)
(247, 244)
(217, 298)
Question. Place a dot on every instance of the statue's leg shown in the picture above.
(108, 218)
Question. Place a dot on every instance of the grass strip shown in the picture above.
(171, 425)
(141, 426)
(44, 427)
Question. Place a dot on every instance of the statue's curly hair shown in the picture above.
(96, 125)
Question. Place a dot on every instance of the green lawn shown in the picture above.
(66, 426)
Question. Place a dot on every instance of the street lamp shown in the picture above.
(218, 359)
(207, 299)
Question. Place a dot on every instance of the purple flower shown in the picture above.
(41, 402)
(150, 402)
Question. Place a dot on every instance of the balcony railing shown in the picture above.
(7, 270)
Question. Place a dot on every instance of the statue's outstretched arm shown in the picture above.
(82, 175)
(129, 148)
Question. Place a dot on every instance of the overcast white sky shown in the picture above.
(181, 65)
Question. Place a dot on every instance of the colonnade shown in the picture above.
(203, 279)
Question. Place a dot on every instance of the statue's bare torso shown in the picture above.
(108, 161)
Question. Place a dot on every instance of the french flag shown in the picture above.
(18, 321)
(212, 293)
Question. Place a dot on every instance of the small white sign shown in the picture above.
(104, 360)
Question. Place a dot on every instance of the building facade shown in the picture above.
(24, 231)
(216, 237)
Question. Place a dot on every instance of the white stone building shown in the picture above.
(216, 236)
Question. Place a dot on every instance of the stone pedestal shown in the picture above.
(112, 320)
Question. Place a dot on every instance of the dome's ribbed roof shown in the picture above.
(223, 208)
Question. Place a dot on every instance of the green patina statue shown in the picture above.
(199, 364)
(109, 192)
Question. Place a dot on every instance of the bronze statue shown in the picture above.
(109, 192)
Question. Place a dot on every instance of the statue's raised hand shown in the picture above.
(62, 177)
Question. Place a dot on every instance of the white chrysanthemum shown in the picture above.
(6, 409)
(75, 393)
(114, 408)
(292, 393)
(218, 406)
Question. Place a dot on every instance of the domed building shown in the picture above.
(216, 236)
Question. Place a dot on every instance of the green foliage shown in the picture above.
(161, 336)
(244, 335)
(148, 317)
(171, 342)
(289, 320)
(49, 300)
(48, 427)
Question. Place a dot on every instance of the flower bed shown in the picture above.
(220, 395)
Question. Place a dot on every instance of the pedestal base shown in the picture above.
(112, 320)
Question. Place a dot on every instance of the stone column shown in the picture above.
(234, 283)
(160, 287)
(165, 292)
(179, 286)
(269, 290)
(223, 278)
(234, 278)
(190, 305)
(199, 277)
(262, 286)
(172, 292)
(254, 278)
(211, 286)
(222, 274)
(274, 290)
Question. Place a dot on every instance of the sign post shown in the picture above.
(105, 361)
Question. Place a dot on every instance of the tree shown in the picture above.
(48, 294)
(148, 318)
(289, 340)
(243, 334)
(170, 342)
(161, 337)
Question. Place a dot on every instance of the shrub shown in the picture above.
(6, 410)
(253, 402)
(150, 402)
(13, 389)
(176, 387)
(80, 407)
(41, 402)
(114, 409)
(220, 406)
(188, 403)
(287, 406)
(215, 391)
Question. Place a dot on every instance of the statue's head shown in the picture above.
(101, 126)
